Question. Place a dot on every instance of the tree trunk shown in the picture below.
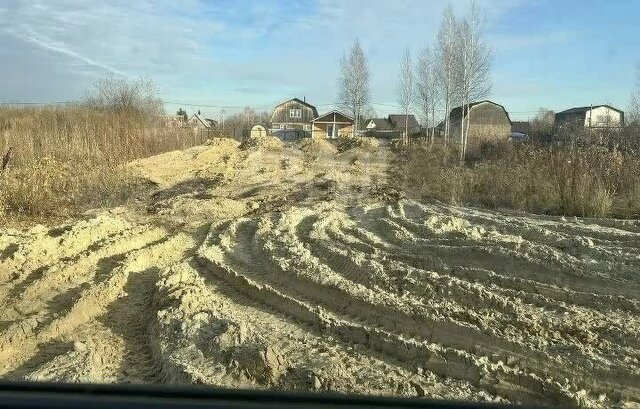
(406, 128)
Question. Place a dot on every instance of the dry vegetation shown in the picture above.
(65, 158)
(572, 180)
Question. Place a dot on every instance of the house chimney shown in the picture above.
(304, 99)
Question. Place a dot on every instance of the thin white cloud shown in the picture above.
(61, 49)
(118, 36)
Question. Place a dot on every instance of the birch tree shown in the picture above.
(405, 91)
(426, 91)
(634, 116)
(353, 83)
(446, 57)
(474, 64)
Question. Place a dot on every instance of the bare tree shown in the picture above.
(405, 91)
(542, 126)
(127, 96)
(446, 48)
(353, 83)
(474, 64)
(634, 112)
(426, 92)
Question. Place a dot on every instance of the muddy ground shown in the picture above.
(297, 267)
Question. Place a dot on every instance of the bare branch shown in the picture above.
(127, 96)
(426, 88)
(405, 90)
(446, 56)
(353, 83)
(634, 111)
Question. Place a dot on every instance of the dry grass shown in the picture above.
(586, 181)
(67, 158)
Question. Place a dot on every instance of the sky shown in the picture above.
(227, 54)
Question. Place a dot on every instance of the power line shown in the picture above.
(218, 106)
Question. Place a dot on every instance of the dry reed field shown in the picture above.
(67, 158)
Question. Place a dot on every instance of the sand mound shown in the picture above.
(223, 143)
(360, 142)
(177, 166)
(314, 146)
(262, 142)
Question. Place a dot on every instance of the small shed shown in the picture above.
(331, 125)
(258, 131)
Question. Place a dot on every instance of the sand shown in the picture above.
(258, 267)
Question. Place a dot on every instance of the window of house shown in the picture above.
(295, 113)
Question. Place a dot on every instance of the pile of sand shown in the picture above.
(223, 143)
(362, 142)
(262, 142)
(316, 147)
(177, 166)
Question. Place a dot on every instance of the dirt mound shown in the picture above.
(367, 144)
(262, 142)
(314, 146)
(223, 143)
(177, 166)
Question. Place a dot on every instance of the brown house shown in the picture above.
(488, 122)
(332, 125)
(292, 119)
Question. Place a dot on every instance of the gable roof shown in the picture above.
(201, 119)
(583, 110)
(381, 124)
(299, 101)
(398, 121)
(331, 113)
(457, 111)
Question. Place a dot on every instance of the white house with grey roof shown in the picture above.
(593, 116)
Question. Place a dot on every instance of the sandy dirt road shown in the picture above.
(262, 266)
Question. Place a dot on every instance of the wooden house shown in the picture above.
(292, 119)
(332, 125)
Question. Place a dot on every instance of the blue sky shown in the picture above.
(554, 54)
